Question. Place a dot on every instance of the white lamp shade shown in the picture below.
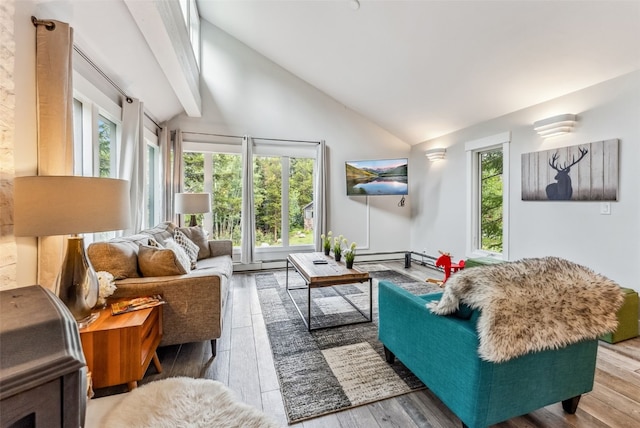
(65, 205)
(192, 203)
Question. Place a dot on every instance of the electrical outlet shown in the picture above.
(605, 208)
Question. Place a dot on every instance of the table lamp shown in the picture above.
(69, 205)
(192, 203)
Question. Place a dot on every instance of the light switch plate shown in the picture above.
(605, 208)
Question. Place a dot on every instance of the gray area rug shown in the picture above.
(329, 370)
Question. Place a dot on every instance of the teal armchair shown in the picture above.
(442, 352)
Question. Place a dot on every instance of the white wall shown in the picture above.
(574, 230)
(245, 93)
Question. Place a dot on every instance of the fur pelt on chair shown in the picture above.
(532, 305)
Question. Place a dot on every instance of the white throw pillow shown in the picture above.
(188, 245)
(181, 255)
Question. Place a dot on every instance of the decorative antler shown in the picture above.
(553, 163)
(583, 153)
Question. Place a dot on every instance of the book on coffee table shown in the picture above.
(136, 304)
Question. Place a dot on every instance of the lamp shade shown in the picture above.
(65, 205)
(192, 203)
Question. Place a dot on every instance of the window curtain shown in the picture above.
(178, 168)
(166, 174)
(131, 158)
(247, 220)
(54, 103)
(320, 203)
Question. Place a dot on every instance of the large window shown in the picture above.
(487, 232)
(282, 195)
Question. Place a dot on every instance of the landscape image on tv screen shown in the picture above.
(377, 177)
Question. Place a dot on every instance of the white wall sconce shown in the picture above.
(554, 126)
(435, 155)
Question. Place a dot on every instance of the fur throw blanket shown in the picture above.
(532, 305)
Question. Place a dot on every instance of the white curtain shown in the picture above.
(54, 92)
(178, 168)
(247, 222)
(166, 174)
(320, 202)
(131, 159)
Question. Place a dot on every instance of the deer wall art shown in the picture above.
(587, 172)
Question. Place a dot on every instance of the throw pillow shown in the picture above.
(197, 235)
(160, 232)
(181, 254)
(159, 262)
(188, 245)
(117, 258)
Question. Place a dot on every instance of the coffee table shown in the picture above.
(325, 275)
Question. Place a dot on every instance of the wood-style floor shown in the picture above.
(245, 364)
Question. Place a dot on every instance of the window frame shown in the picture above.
(285, 153)
(474, 149)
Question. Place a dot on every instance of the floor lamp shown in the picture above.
(68, 205)
(192, 203)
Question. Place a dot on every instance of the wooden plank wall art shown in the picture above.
(586, 172)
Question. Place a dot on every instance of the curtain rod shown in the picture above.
(255, 138)
(51, 25)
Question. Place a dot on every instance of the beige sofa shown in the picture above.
(195, 300)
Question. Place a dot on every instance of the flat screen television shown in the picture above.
(377, 177)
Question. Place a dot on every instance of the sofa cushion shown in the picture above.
(120, 259)
(197, 235)
(188, 245)
(219, 264)
(154, 261)
(181, 254)
(161, 232)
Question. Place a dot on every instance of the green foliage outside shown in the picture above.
(104, 147)
(491, 201)
(267, 193)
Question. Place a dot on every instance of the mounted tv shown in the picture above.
(377, 177)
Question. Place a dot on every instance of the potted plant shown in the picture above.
(337, 247)
(326, 243)
(349, 255)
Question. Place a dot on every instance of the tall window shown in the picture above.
(107, 148)
(220, 175)
(488, 204)
(282, 191)
(491, 200)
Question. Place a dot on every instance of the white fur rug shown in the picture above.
(184, 402)
(532, 305)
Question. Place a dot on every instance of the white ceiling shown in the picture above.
(421, 69)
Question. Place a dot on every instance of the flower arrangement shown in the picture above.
(326, 242)
(350, 254)
(107, 286)
(337, 247)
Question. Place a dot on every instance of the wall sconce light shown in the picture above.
(435, 154)
(554, 126)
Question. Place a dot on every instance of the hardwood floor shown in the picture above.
(245, 364)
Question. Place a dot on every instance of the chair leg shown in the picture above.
(389, 356)
(213, 347)
(571, 405)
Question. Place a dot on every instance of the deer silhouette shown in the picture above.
(562, 190)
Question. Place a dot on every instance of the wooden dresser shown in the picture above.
(119, 348)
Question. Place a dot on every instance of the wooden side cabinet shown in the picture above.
(119, 348)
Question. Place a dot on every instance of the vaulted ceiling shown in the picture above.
(419, 69)
(422, 69)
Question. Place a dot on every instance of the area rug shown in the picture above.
(331, 369)
(185, 402)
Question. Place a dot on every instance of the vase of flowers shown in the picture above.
(107, 286)
(337, 248)
(349, 255)
(326, 243)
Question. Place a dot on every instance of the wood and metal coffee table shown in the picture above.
(325, 275)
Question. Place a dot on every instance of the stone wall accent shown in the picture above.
(7, 126)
